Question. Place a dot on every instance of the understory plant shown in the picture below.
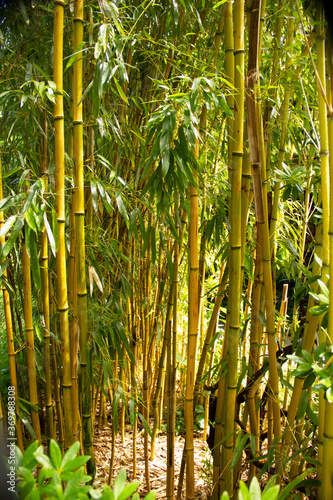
(64, 478)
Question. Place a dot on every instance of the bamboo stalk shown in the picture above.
(59, 153)
(10, 339)
(82, 310)
(235, 242)
(46, 298)
(29, 330)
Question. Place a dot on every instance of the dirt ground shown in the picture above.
(157, 467)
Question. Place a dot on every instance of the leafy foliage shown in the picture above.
(63, 478)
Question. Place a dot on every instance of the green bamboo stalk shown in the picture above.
(10, 338)
(326, 490)
(29, 330)
(234, 299)
(87, 423)
(46, 298)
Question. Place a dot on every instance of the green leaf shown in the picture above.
(324, 288)
(285, 492)
(303, 404)
(239, 447)
(12, 238)
(122, 208)
(70, 454)
(28, 459)
(255, 490)
(131, 406)
(244, 493)
(7, 225)
(271, 493)
(224, 106)
(225, 496)
(318, 310)
(75, 463)
(119, 483)
(55, 454)
(49, 234)
(34, 261)
(307, 356)
(27, 475)
(145, 425)
(11, 201)
(129, 490)
(150, 496)
(43, 459)
(120, 90)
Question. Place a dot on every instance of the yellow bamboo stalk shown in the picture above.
(258, 164)
(234, 299)
(230, 68)
(324, 167)
(193, 323)
(59, 154)
(326, 490)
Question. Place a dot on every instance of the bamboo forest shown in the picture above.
(166, 244)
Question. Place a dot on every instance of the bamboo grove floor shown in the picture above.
(124, 454)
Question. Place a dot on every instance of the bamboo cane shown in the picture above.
(61, 218)
(87, 424)
(327, 456)
(46, 298)
(227, 480)
(10, 339)
(29, 330)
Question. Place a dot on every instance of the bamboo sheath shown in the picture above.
(59, 153)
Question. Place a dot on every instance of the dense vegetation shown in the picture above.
(166, 233)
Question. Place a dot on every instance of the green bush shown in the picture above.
(64, 478)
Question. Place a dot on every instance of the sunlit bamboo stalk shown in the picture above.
(59, 153)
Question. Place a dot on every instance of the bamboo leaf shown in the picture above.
(131, 406)
(11, 201)
(287, 489)
(34, 261)
(145, 425)
(120, 90)
(49, 234)
(122, 208)
(12, 238)
(7, 225)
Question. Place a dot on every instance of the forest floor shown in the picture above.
(157, 467)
